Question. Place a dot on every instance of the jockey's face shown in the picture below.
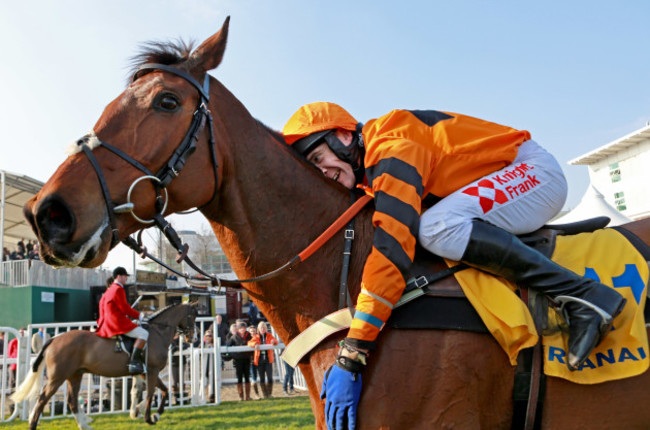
(331, 165)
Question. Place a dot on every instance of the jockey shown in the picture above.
(114, 313)
(464, 187)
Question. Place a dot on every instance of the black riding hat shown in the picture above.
(120, 271)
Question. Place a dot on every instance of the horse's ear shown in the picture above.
(208, 56)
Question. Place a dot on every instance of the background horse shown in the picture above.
(68, 356)
(265, 204)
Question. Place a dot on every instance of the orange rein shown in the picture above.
(350, 213)
(345, 217)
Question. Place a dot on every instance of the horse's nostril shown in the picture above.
(55, 220)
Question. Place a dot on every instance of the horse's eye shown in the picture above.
(168, 103)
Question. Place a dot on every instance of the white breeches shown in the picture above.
(138, 333)
(519, 198)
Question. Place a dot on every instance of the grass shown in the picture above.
(276, 413)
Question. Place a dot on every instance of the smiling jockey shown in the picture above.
(114, 313)
(463, 187)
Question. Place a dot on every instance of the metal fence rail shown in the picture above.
(199, 373)
(22, 273)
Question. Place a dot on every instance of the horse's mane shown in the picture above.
(168, 53)
(159, 312)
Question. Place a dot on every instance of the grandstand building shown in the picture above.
(619, 170)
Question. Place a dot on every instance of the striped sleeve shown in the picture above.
(396, 172)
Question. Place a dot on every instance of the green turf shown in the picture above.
(277, 413)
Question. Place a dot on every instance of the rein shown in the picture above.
(170, 170)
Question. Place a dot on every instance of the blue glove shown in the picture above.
(342, 389)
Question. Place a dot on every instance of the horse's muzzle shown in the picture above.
(54, 222)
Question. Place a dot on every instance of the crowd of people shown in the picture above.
(23, 251)
(253, 369)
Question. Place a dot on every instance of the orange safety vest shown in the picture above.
(411, 157)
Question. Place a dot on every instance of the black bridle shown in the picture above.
(164, 176)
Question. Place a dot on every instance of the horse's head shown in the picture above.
(83, 209)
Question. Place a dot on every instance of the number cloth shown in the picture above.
(605, 256)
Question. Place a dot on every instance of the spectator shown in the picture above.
(263, 359)
(6, 254)
(287, 387)
(253, 314)
(242, 361)
(29, 247)
(208, 339)
(232, 332)
(12, 352)
(208, 343)
(221, 329)
(36, 253)
(20, 248)
(40, 338)
(2, 343)
(253, 331)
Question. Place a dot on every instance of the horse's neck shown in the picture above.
(270, 207)
(169, 320)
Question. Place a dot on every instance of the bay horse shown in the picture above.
(68, 356)
(265, 204)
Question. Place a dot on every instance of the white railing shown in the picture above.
(21, 273)
(199, 373)
(14, 273)
(8, 376)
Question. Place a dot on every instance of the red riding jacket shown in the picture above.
(113, 312)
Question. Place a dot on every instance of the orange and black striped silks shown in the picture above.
(410, 156)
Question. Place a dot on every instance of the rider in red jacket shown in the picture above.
(114, 313)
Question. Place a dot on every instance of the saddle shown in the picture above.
(125, 343)
(441, 303)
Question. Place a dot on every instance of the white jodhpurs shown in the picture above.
(519, 198)
(138, 333)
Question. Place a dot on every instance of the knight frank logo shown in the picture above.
(507, 185)
(486, 194)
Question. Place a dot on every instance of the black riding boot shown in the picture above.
(136, 365)
(589, 306)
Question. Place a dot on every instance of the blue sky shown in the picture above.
(572, 73)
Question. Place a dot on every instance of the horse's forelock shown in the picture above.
(168, 53)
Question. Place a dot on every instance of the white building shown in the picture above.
(620, 170)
